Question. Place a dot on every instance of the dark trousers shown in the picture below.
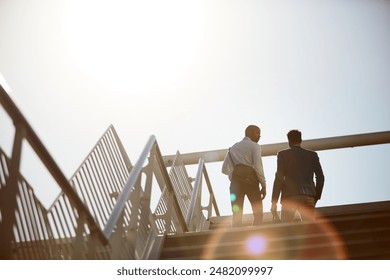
(302, 203)
(238, 191)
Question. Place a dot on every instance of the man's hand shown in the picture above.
(274, 208)
(263, 193)
(274, 211)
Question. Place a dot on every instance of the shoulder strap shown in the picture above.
(231, 159)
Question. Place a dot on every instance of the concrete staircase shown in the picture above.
(356, 231)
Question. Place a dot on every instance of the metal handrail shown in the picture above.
(196, 193)
(25, 131)
(133, 177)
(101, 175)
(60, 215)
(195, 218)
(212, 201)
(329, 143)
(123, 197)
(169, 186)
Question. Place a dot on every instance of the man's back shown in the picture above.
(248, 153)
(294, 179)
(296, 167)
(241, 163)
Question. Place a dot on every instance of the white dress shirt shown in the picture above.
(245, 152)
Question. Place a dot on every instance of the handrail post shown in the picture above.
(195, 195)
(124, 196)
(165, 175)
(212, 196)
(77, 253)
(8, 195)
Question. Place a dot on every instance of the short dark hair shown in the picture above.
(294, 136)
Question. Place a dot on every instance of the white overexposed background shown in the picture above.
(195, 74)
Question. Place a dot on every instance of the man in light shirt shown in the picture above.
(244, 166)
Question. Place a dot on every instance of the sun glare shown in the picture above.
(133, 44)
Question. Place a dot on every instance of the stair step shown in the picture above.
(302, 246)
(340, 234)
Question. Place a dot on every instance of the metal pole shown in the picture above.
(195, 195)
(329, 143)
(8, 195)
(124, 196)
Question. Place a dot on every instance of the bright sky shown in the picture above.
(196, 73)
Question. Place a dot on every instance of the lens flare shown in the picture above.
(308, 240)
(255, 245)
(233, 197)
(236, 208)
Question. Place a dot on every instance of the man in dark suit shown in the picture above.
(294, 180)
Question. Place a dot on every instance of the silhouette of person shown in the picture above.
(244, 166)
(294, 180)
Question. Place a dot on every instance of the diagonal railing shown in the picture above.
(195, 218)
(102, 175)
(31, 220)
(104, 210)
(141, 223)
(9, 191)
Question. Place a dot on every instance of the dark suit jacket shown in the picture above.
(296, 168)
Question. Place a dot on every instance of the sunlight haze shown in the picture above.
(196, 73)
